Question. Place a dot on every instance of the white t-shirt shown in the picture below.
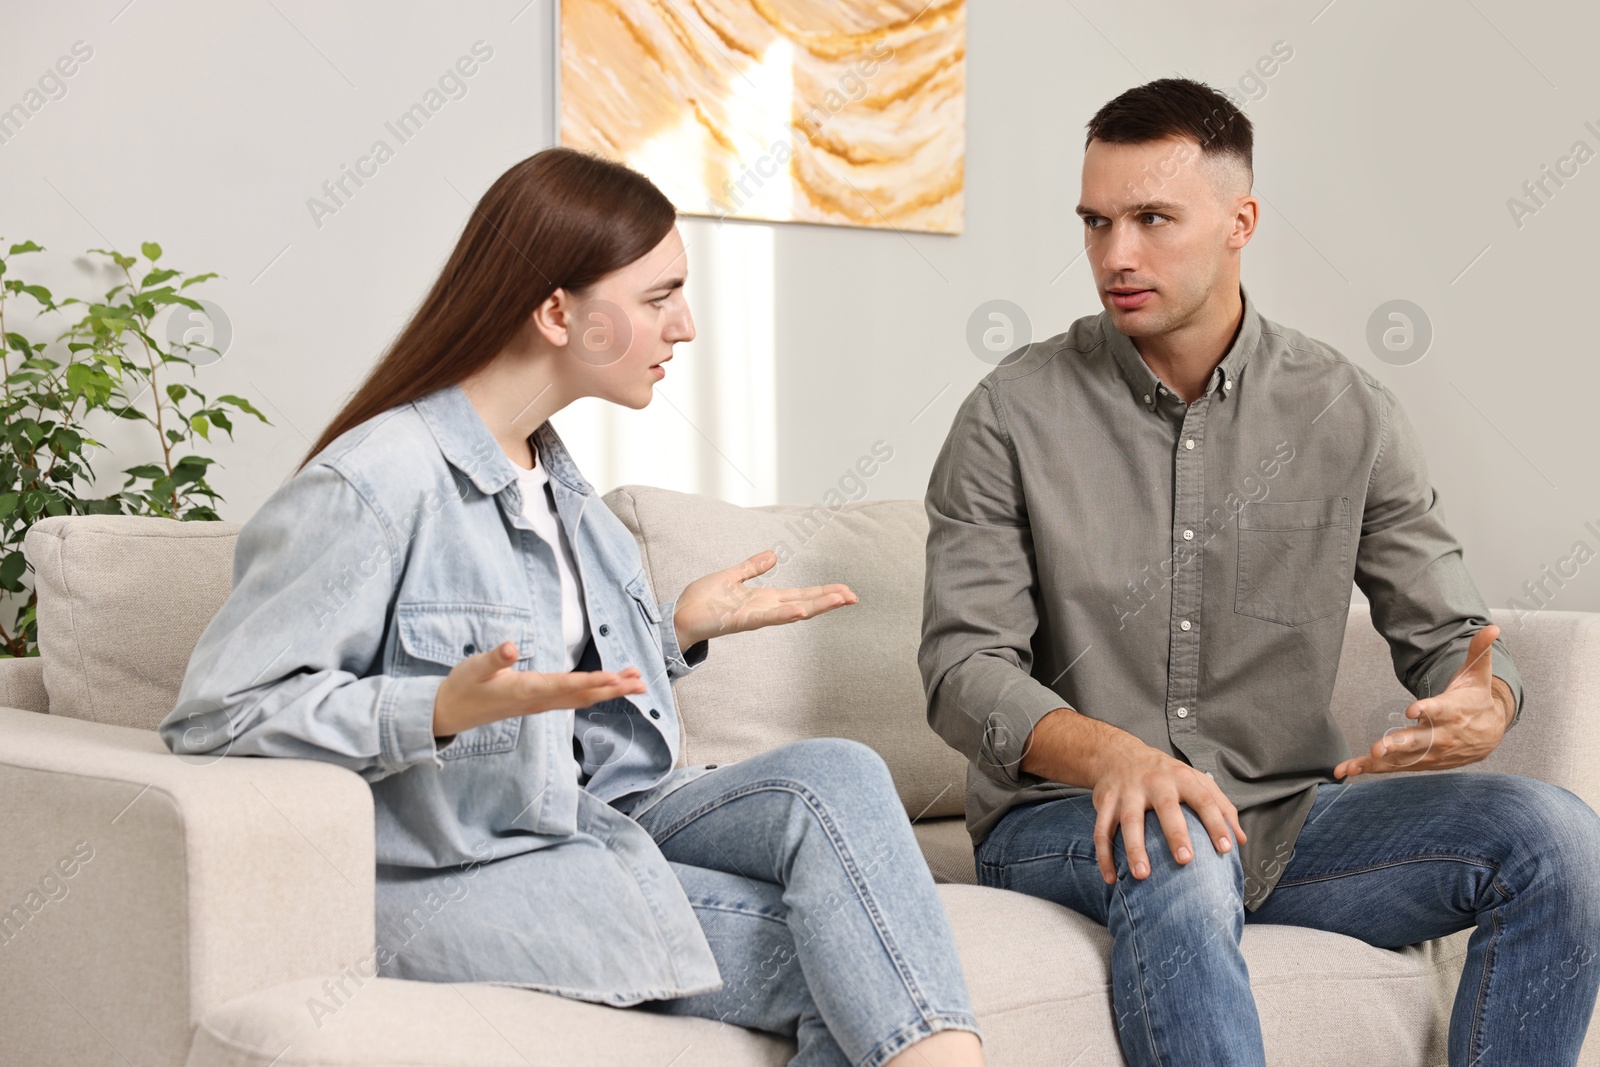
(539, 507)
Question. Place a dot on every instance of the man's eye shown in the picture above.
(659, 301)
(1152, 215)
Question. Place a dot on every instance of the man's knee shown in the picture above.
(1558, 830)
(1210, 884)
(1538, 834)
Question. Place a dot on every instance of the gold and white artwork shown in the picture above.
(844, 112)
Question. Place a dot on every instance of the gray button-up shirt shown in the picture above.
(1181, 571)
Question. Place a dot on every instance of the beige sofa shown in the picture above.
(162, 911)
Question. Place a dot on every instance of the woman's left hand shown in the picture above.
(720, 603)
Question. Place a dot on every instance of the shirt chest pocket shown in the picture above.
(1293, 560)
(435, 637)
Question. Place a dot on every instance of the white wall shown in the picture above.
(1386, 150)
(207, 127)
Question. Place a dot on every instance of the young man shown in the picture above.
(1142, 538)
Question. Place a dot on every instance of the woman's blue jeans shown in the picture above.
(1390, 861)
(817, 902)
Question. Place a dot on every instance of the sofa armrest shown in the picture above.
(1558, 655)
(140, 890)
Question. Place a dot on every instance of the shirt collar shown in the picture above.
(469, 446)
(1225, 379)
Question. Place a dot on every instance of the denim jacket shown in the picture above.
(398, 551)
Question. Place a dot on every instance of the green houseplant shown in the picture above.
(108, 359)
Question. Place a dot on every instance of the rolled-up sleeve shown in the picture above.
(679, 661)
(978, 609)
(1410, 567)
(290, 664)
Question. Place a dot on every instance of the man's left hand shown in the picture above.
(1461, 725)
(720, 603)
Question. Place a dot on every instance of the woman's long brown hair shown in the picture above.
(558, 219)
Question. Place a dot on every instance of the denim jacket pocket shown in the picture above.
(1293, 560)
(434, 637)
(639, 590)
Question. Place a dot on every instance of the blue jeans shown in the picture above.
(1390, 861)
(817, 902)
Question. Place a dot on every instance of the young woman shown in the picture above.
(440, 602)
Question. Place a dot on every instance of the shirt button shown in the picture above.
(1184, 625)
(1188, 535)
(604, 629)
(1161, 389)
(711, 766)
(1227, 384)
(1147, 398)
(1211, 776)
(654, 714)
(1189, 443)
(469, 649)
(1183, 713)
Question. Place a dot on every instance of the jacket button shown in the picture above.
(604, 629)
(654, 714)
(470, 649)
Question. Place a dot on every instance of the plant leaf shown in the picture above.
(12, 567)
(243, 405)
(165, 295)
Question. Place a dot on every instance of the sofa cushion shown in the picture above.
(22, 684)
(849, 673)
(381, 1022)
(122, 601)
(1040, 981)
(947, 847)
(1038, 975)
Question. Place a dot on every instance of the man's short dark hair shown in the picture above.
(1178, 107)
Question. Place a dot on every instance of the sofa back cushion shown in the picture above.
(851, 672)
(122, 602)
(124, 599)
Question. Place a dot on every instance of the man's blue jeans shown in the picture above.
(1391, 861)
(817, 902)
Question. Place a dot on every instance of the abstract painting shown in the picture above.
(842, 112)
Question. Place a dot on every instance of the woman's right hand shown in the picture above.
(487, 687)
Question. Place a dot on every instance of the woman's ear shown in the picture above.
(552, 319)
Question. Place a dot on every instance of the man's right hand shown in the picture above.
(487, 687)
(1136, 778)
(1128, 778)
